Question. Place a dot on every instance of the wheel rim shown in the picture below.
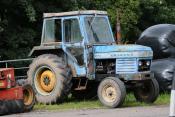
(47, 81)
(109, 93)
(28, 96)
(44, 81)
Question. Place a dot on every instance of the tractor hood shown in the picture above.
(121, 51)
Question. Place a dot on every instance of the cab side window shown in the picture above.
(52, 31)
(72, 31)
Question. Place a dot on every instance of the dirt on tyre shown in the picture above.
(111, 92)
(148, 92)
(50, 78)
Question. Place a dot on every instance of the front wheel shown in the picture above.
(112, 92)
(148, 92)
(29, 97)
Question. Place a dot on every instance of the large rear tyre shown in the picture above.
(50, 78)
(148, 92)
(112, 92)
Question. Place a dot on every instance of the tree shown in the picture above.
(156, 12)
(128, 9)
(21, 24)
(21, 20)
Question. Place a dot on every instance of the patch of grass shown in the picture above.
(72, 104)
(163, 99)
(130, 100)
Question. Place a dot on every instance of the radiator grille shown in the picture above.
(126, 65)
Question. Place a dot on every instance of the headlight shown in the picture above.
(140, 63)
(144, 65)
(148, 63)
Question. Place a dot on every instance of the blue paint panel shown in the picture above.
(81, 71)
(113, 55)
(119, 48)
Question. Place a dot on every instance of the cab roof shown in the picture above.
(73, 13)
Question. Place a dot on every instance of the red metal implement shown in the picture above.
(11, 94)
(7, 79)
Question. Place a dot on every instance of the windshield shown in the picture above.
(98, 30)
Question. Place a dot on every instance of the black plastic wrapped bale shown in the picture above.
(164, 71)
(161, 38)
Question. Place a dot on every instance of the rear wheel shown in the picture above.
(148, 92)
(50, 78)
(112, 92)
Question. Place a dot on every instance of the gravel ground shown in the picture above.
(151, 111)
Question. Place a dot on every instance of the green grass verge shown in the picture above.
(130, 101)
(71, 104)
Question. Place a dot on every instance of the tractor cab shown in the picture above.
(91, 27)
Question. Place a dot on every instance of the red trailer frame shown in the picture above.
(15, 93)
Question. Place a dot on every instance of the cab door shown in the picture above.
(73, 44)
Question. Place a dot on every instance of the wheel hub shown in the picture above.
(46, 81)
(109, 93)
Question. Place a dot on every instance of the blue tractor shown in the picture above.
(78, 55)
